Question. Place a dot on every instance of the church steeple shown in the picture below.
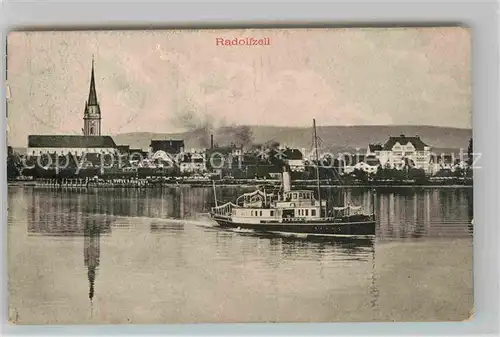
(92, 115)
(92, 93)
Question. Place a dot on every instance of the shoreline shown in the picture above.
(226, 185)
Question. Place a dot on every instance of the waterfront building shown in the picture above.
(170, 146)
(403, 149)
(446, 163)
(368, 163)
(222, 158)
(62, 145)
(294, 159)
(192, 163)
(374, 149)
(123, 149)
(137, 153)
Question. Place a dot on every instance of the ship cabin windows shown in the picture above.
(298, 196)
(288, 213)
(304, 212)
(259, 213)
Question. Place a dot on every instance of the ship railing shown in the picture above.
(247, 199)
(225, 209)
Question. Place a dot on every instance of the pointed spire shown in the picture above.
(91, 277)
(92, 93)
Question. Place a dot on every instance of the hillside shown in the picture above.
(335, 138)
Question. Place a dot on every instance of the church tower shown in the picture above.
(92, 115)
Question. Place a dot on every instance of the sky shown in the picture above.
(174, 80)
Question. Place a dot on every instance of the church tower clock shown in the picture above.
(92, 114)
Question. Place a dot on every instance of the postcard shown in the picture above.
(240, 175)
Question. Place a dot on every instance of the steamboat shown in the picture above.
(293, 211)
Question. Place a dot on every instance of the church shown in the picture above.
(90, 142)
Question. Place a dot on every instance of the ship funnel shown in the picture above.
(286, 181)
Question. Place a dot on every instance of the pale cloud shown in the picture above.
(147, 80)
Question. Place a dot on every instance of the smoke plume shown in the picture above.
(200, 125)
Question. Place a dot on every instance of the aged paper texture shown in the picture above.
(240, 175)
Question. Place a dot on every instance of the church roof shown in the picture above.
(70, 141)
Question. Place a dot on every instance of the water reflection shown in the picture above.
(421, 212)
(159, 237)
(177, 203)
(64, 213)
(92, 252)
(162, 226)
(401, 213)
(374, 292)
(323, 247)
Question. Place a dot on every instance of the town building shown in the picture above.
(192, 163)
(123, 149)
(220, 156)
(170, 146)
(63, 145)
(398, 151)
(374, 149)
(368, 163)
(90, 142)
(446, 163)
(224, 160)
(294, 159)
(163, 159)
(135, 154)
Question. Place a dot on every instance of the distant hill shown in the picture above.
(333, 138)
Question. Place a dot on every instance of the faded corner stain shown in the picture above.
(471, 317)
(13, 316)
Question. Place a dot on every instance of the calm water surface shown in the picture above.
(152, 256)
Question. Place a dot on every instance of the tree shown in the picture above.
(470, 152)
(360, 175)
(418, 175)
(459, 172)
(14, 166)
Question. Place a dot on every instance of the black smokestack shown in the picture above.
(211, 141)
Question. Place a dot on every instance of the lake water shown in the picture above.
(152, 256)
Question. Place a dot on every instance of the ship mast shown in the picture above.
(317, 166)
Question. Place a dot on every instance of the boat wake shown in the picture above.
(241, 230)
(319, 236)
(206, 224)
(215, 226)
(290, 234)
